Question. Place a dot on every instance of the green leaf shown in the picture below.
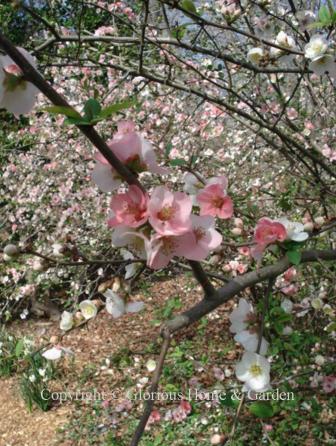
(19, 348)
(168, 149)
(66, 111)
(294, 257)
(324, 14)
(178, 162)
(115, 108)
(229, 401)
(91, 109)
(189, 6)
(178, 31)
(261, 409)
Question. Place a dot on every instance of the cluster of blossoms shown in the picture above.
(253, 369)
(322, 61)
(159, 226)
(268, 232)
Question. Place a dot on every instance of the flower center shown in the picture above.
(168, 245)
(199, 233)
(166, 213)
(217, 202)
(255, 370)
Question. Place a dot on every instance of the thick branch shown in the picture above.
(240, 283)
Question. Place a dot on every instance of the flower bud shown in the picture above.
(309, 226)
(11, 250)
(236, 231)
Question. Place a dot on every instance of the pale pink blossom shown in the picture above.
(161, 249)
(17, 95)
(132, 150)
(329, 383)
(213, 199)
(206, 238)
(169, 212)
(129, 209)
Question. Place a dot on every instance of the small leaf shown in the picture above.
(261, 409)
(66, 111)
(178, 162)
(115, 108)
(168, 149)
(19, 348)
(294, 257)
(189, 6)
(229, 401)
(91, 109)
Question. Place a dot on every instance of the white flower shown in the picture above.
(133, 267)
(16, 94)
(284, 40)
(287, 305)
(66, 321)
(32, 378)
(250, 342)
(151, 365)
(88, 309)
(241, 316)
(117, 307)
(316, 47)
(323, 65)
(58, 250)
(52, 354)
(254, 370)
(319, 360)
(42, 372)
(295, 230)
(192, 183)
(255, 55)
(135, 241)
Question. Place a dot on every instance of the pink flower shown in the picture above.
(131, 149)
(161, 249)
(169, 212)
(329, 383)
(154, 417)
(129, 209)
(206, 238)
(244, 250)
(290, 274)
(213, 199)
(267, 232)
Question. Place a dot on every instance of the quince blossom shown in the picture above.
(242, 316)
(16, 94)
(213, 199)
(88, 309)
(162, 248)
(250, 341)
(255, 55)
(254, 370)
(267, 232)
(206, 238)
(316, 47)
(132, 150)
(295, 231)
(117, 307)
(169, 212)
(66, 321)
(129, 209)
